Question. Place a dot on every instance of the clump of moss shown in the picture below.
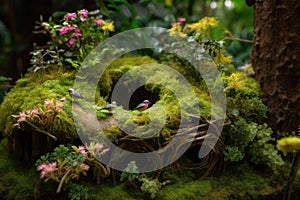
(119, 67)
(243, 97)
(31, 92)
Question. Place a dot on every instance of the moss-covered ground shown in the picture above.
(242, 181)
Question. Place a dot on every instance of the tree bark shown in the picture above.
(276, 60)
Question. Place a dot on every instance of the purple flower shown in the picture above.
(77, 30)
(77, 34)
(70, 16)
(98, 21)
(83, 14)
(65, 29)
(71, 43)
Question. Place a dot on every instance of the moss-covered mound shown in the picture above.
(32, 91)
(244, 137)
(149, 130)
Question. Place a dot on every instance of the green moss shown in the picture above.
(119, 67)
(243, 97)
(251, 109)
(17, 181)
(239, 84)
(31, 92)
(192, 190)
(113, 132)
(242, 182)
(238, 182)
(111, 193)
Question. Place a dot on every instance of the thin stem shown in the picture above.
(41, 131)
(292, 176)
(62, 181)
(238, 39)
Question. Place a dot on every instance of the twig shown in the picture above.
(238, 39)
(62, 181)
(186, 130)
(41, 131)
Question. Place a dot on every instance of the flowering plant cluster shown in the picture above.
(77, 34)
(62, 165)
(66, 163)
(43, 116)
(95, 150)
(201, 32)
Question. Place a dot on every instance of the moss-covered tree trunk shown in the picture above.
(276, 60)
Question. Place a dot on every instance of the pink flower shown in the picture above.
(77, 34)
(48, 103)
(60, 105)
(43, 173)
(82, 150)
(32, 112)
(105, 151)
(75, 176)
(41, 167)
(98, 21)
(46, 168)
(84, 167)
(100, 147)
(70, 16)
(71, 43)
(65, 29)
(52, 166)
(22, 117)
(77, 30)
(181, 20)
(17, 125)
(83, 14)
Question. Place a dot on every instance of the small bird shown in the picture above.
(74, 94)
(109, 107)
(143, 106)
